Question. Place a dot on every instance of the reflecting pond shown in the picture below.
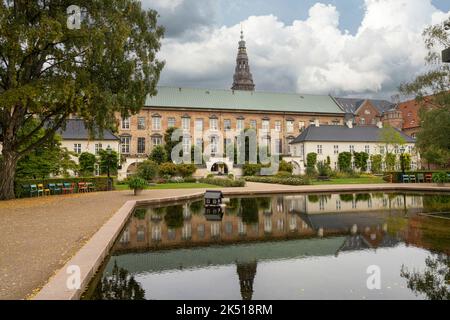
(324, 246)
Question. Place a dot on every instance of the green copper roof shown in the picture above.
(242, 100)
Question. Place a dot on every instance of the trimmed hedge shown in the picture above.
(223, 182)
(293, 181)
(100, 183)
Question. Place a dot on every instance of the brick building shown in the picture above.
(212, 115)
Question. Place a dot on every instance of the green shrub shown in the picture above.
(376, 160)
(168, 169)
(190, 180)
(100, 183)
(87, 163)
(147, 170)
(390, 161)
(345, 161)
(186, 170)
(158, 154)
(405, 162)
(440, 177)
(285, 166)
(323, 169)
(361, 160)
(137, 183)
(311, 160)
(251, 169)
(227, 183)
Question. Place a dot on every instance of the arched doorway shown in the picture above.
(132, 168)
(219, 168)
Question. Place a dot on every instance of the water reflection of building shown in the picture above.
(274, 217)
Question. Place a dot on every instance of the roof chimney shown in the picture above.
(350, 124)
(380, 124)
(316, 123)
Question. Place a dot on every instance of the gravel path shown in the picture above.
(39, 235)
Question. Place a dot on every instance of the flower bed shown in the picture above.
(223, 182)
(293, 181)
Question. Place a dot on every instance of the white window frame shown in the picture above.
(140, 145)
(77, 148)
(125, 145)
(171, 122)
(277, 125)
(265, 125)
(186, 123)
(240, 124)
(289, 126)
(126, 123)
(213, 124)
(156, 123)
(199, 125)
(319, 149)
(98, 147)
(141, 123)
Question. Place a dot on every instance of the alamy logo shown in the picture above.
(374, 280)
(74, 17)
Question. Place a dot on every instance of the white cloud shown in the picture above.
(312, 55)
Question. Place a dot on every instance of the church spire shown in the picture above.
(242, 79)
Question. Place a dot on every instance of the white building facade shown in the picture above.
(329, 141)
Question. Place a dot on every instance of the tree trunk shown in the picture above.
(7, 173)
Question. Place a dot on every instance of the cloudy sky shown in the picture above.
(359, 48)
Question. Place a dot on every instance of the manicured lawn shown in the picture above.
(171, 186)
(362, 180)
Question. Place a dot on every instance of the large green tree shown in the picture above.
(432, 91)
(51, 67)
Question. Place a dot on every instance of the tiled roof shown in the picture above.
(242, 100)
(344, 134)
(76, 130)
(350, 105)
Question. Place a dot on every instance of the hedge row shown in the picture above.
(293, 181)
(100, 183)
(224, 182)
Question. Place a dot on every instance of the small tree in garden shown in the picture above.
(390, 161)
(87, 163)
(311, 160)
(361, 160)
(376, 160)
(168, 169)
(405, 162)
(345, 161)
(110, 160)
(147, 170)
(158, 154)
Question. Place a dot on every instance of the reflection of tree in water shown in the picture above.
(249, 210)
(140, 213)
(436, 203)
(174, 217)
(246, 273)
(196, 207)
(264, 203)
(119, 286)
(434, 282)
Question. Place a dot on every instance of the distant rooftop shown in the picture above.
(242, 100)
(76, 130)
(350, 105)
(344, 134)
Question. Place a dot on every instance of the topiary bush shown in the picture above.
(285, 167)
(158, 154)
(311, 160)
(376, 160)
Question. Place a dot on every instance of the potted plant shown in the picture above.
(137, 184)
(440, 177)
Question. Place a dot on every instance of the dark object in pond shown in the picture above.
(213, 198)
